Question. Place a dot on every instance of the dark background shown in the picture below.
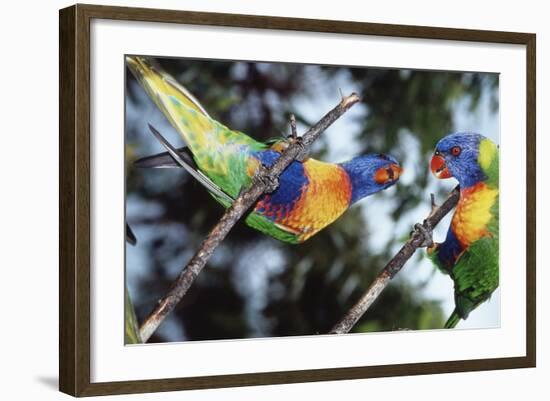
(255, 286)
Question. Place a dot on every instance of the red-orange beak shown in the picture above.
(388, 174)
(439, 167)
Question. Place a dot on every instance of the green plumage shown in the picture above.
(263, 224)
(475, 277)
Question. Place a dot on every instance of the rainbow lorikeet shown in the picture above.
(470, 251)
(310, 195)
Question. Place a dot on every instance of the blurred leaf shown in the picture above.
(131, 331)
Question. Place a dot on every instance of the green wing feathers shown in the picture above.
(476, 275)
(221, 153)
(263, 224)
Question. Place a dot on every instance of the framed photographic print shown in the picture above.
(297, 200)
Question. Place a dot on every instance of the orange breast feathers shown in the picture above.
(473, 213)
(327, 196)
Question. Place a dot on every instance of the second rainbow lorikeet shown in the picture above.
(310, 195)
(470, 252)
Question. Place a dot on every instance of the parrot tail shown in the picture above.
(180, 158)
(453, 320)
(215, 148)
(199, 131)
(160, 85)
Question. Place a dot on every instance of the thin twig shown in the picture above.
(293, 132)
(243, 203)
(395, 265)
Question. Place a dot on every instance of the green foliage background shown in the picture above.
(296, 290)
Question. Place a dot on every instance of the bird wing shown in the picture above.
(476, 274)
(182, 159)
(165, 160)
(476, 271)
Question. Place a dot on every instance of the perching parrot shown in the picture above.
(311, 194)
(470, 251)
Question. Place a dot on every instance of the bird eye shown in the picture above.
(455, 150)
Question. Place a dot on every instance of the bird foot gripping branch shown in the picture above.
(426, 230)
(269, 181)
(303, 154)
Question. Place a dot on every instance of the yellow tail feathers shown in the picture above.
(179, 106)
(216, 150)
(159, 84)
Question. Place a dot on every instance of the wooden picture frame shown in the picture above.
(75, 206)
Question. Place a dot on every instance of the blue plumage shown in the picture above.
(463, 167)
(449, 251)
(361, 171)
(295, 181)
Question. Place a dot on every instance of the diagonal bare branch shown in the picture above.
(244, 202)
(395, 265)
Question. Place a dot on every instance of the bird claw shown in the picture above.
(294, 139)
(426, 230)
(271, 183)
(303, 154)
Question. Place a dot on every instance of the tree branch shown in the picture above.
(395, 265)
(293, 132)
(243, 203)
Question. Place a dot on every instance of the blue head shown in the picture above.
(371, 173)
(456, 156)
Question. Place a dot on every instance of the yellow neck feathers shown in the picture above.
(473, 213)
